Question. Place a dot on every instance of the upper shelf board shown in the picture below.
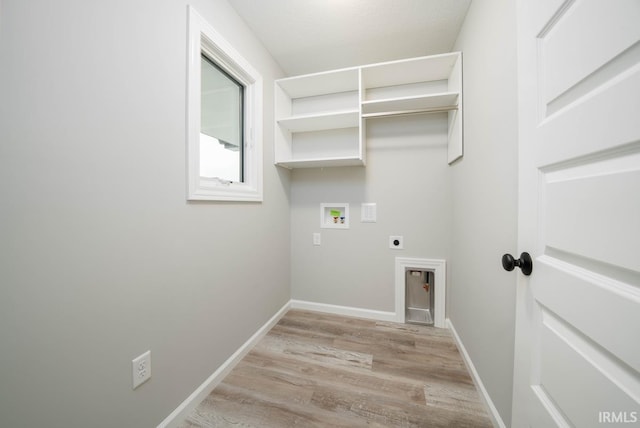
(328, 82)
(437, 67)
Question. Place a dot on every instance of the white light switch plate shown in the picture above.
(316, 239)
(368, 212)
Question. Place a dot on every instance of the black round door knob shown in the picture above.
(524, 263)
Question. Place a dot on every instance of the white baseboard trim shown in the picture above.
(493, 412)
(343, 310)
(180, 413)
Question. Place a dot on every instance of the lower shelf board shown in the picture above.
(326, 162)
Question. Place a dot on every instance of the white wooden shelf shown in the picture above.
(317, 122)
(329, 82)
(321, 116)
(414, 70)
(412, 104)
(322, 162)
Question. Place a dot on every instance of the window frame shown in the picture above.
(203, 39)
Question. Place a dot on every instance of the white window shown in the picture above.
(224, 119)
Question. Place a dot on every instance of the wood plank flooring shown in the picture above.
(321, 370)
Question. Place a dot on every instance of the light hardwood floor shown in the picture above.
(320, 370)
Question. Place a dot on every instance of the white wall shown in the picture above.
(101, 257)
(484, 184)
(406, 175)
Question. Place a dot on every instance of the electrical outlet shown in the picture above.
(396, 242)
(141, 369)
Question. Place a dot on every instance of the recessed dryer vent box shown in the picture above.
(419, 297)
(334, 216)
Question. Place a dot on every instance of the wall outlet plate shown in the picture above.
(317, 240)
(396, 242)
(141, 369)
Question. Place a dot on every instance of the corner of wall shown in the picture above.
(484, 208)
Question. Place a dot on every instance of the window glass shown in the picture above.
(221, 124)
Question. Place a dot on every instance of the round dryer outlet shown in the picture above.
(396, 242)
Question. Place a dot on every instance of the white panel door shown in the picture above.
(577, 356)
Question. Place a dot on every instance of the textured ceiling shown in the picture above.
(306, 36)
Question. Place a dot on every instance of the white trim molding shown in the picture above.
(439, 269)
(182, 411)
(491, 408)
(343, 310)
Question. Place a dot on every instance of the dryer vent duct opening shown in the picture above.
(410, 294)
(419, 296)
